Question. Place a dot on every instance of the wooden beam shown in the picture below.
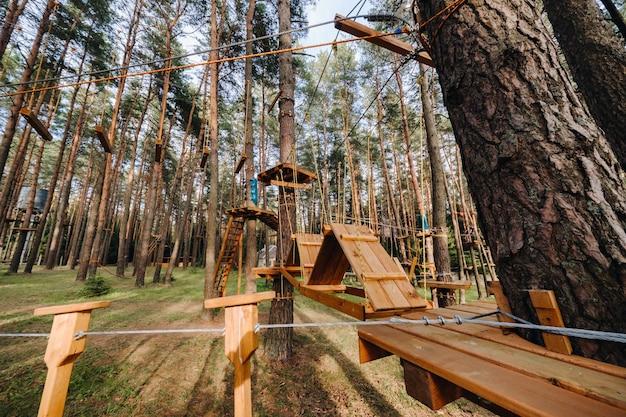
(287, 184)
(388, 42)
(32, 119)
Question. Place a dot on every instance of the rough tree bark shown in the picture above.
(597, 59)
(278, 343)
(546, 184)
(438, 182)
(251, 246)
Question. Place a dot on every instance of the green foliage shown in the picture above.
(95, 286)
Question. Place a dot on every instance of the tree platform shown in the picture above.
(501, 372)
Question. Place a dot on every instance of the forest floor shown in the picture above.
(188, 374)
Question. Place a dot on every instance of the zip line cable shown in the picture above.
(180, 67)
(206, 51)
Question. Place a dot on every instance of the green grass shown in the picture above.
(188, 375)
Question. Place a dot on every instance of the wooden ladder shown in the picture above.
(226, 259)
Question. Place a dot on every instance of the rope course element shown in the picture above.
(191, 65)
(440, 320)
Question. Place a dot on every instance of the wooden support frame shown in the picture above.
(242, 160)
(36, 124)
(63, 349)
(241, 340)
(387, 42)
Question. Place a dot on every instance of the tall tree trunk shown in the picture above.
(391, 195)
(438, 181)
(251, 247)
(545, 181)
(90, 229)
(105, 207)
(278, 343)
(212, 210)
(56, 236)
(28, 214)
(18, 100)
(597, 59)
(428, 242)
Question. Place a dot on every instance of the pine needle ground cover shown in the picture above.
(188, 374)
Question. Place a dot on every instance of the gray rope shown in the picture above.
(440, 320)
(82, 334)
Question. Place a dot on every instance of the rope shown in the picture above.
(440, 320)
(197, 64)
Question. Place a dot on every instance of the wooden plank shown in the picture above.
(518, 393)
(549, 314)
(287, 184)
(103, 137)
(387, 42)
(395, 294)
(381, 276)
(36, 124)
(348, 307)
(327, 288)
(359, 238)
(377, 296)
(592, 384)
(240, 163)
(71, 308)
(453, 285)
(513, 340)
(238, 300)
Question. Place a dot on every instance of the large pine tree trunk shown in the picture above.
(278, 343)
(546, 183)
(597, 60)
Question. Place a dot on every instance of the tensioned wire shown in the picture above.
(440, 320)
(206, 51)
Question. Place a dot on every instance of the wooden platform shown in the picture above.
(266, 216)
(501, 372)
(287, 175)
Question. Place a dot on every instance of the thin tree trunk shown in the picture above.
(13, 12)
(439, 226)
(18, 100)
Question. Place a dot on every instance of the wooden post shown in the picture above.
(549, 314)
(63, 350)
(241, 341)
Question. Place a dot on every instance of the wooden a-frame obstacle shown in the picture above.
(322, 263)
